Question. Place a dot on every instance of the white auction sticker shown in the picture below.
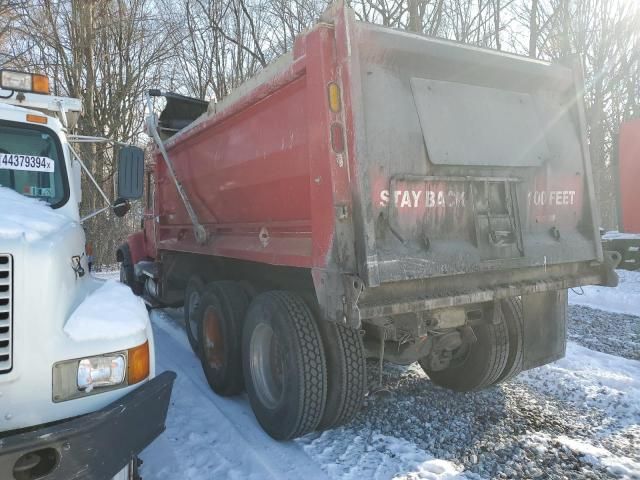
(31, 163)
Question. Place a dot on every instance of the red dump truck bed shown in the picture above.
(398, 183)
(442, 160)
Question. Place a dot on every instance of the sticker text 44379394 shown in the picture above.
(31, 163)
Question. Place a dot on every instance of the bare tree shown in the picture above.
(106, 52)
(9, 15)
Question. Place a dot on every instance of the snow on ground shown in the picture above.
(576, 418)
(625, 298)
(111, 311)
(107, 272)
(615, 235)
(209, 436)
(609, 385)
(618, 466)
(21, 216)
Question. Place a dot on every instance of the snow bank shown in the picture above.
(112, 311)
(20, 215)
(625, 298)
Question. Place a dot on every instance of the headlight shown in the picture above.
(101, 373)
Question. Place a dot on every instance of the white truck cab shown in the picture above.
(79, 397)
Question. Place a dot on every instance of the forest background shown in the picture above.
(108, 52)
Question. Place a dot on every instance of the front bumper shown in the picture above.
(95, 446)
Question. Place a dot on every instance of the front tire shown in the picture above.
(284, 365)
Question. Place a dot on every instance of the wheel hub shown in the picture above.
(267, 365)
(213, 342)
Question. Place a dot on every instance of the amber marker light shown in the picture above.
(138, 368)
(335, 102)
(36, 118)
(40, 84)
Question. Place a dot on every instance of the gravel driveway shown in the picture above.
(607, 332)
(536, 426)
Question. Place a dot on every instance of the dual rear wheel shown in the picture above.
(494, 357)
(300, 374)
(222, 311)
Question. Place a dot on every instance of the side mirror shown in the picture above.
(130, 173)
(120, 207)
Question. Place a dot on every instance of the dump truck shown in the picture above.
(79, 397)
(373, 193)
(626, 165)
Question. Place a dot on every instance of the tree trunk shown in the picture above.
(533, 30)
(415, 23)
(496, 23)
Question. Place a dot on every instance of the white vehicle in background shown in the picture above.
(78, 393)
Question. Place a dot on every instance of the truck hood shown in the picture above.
(27, 218)
(42, 246)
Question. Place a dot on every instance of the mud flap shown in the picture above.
(545, 327)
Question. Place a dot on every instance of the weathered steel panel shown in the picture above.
(248, 177)
(524, 170)
(473, 125)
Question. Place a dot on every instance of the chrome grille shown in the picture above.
(6, 312)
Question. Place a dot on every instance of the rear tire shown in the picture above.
(513, 318)
(346, 371)
(284, 365)
(192, 298)
(482, 364)
(223, 308)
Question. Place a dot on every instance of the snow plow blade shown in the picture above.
(94, 446)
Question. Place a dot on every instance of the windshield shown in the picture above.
(32, 163)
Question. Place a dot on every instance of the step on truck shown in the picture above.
(78, 393)
(372, 193)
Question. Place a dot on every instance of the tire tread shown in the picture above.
(313, 365)
(499, 345)
(517, 334)
(352, 377)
